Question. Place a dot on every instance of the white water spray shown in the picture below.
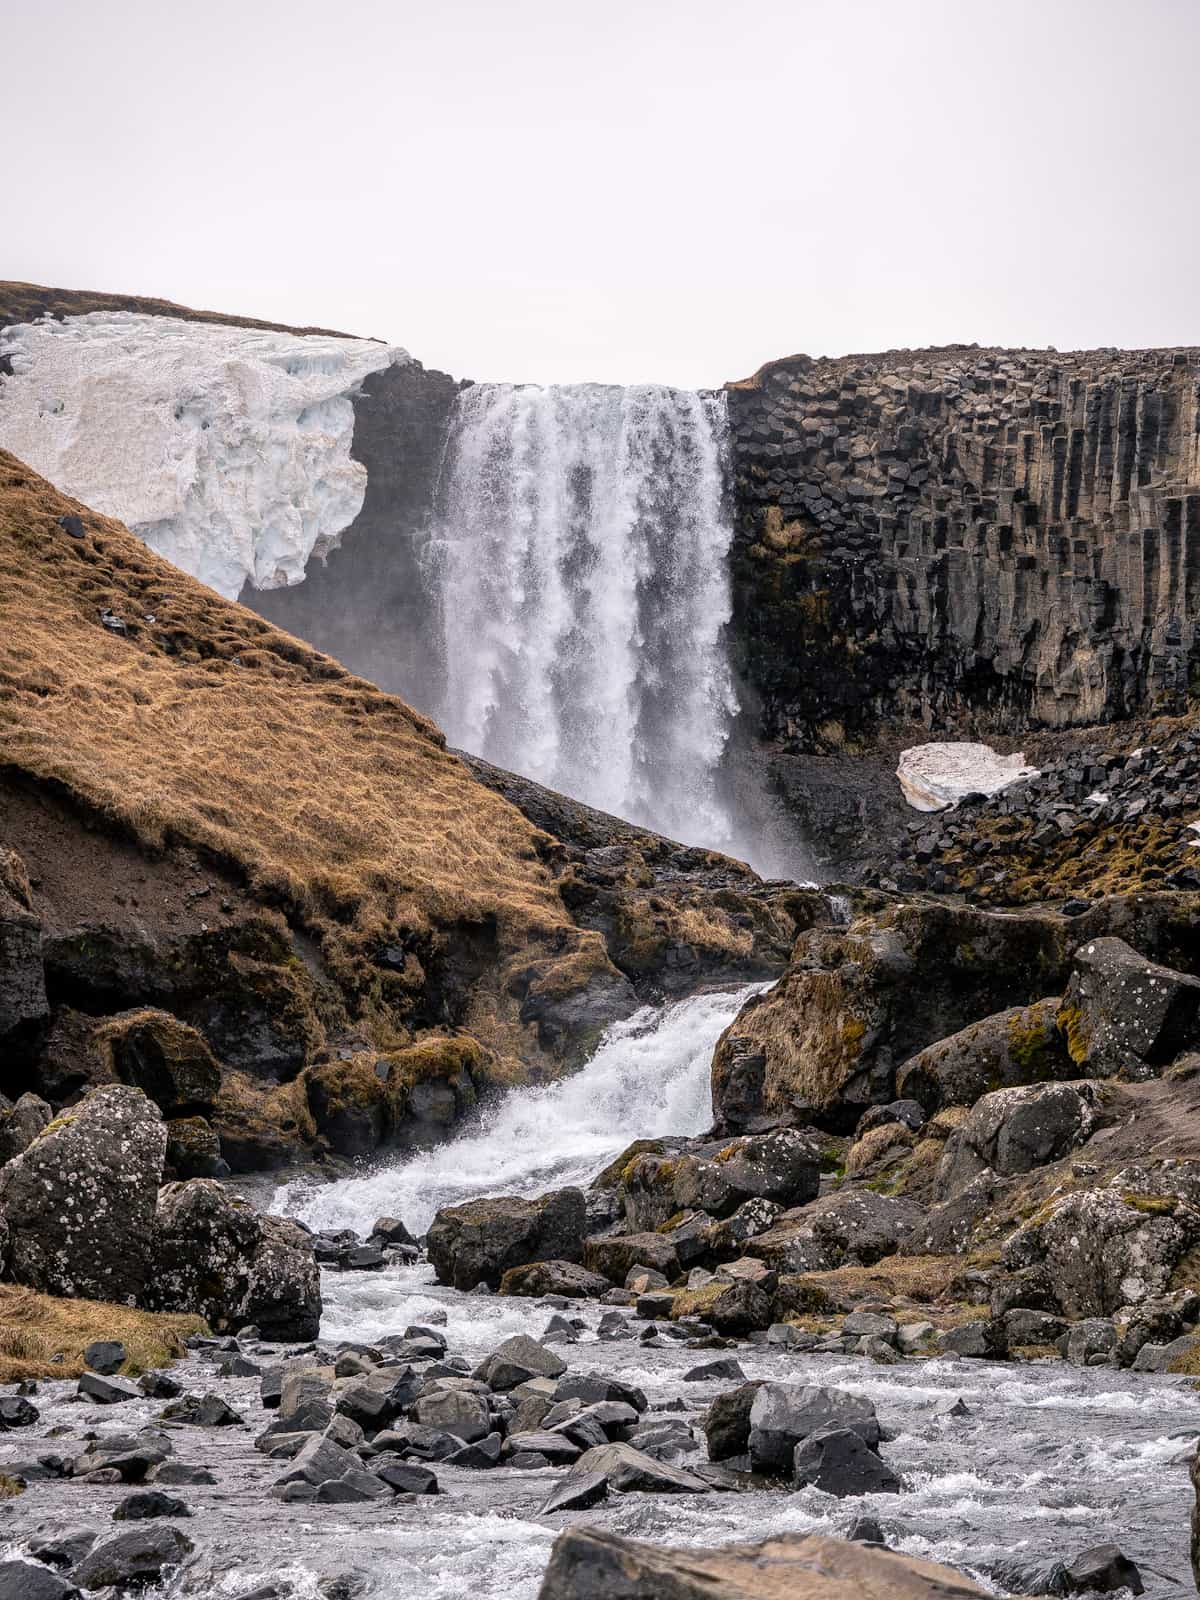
(582, 561)
(649, 1076)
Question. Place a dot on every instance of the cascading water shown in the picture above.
(581, 562)
(649, 1076)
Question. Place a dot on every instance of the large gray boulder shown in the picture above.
(1122, 1013)
(589, 1563)
(1015, 1130)
(79, 1202)
(1020, 1045)
(784, 1414)
(716, 1178)
(836, 1461)
(849, 1224)
(218, 1257)
(479, 1241)
(1107, 1248)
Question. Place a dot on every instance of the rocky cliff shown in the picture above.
(966, 538)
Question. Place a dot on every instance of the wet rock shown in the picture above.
(483, 1453)
(1122, 1013)
(566, 1278)
(731, 1308)
(390, 1230)
(1015, 1130)
(726, 1423)
(353, 1487)
(134, 1559)
(836, 1461)
(62, 1549)
(148, 1503)
(591, 1564)
(516, 1361)
(593, 1388)
(669, 1439)
(21, 1580)
(178, 1474)
(405, 1477)
(784, 1414)
(865, 1530)
(726, 1369)
(17, 1412)
(453, 1411)
(478, 1242)
(79, 1202)
(553, 1446)
(1102, 1570)
(1021, 1045)
(216, 1256)
(319, 1461)
(627, 1470)
(379, 1399)
(108, 1391)
(578, 1492)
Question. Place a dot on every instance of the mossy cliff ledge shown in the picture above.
(260, 889)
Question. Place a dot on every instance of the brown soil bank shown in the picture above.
(205, 816)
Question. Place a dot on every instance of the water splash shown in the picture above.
(582, 565)
(649, 1076)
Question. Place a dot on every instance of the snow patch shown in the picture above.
(934, 776)
(226, 449)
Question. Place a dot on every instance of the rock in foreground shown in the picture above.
(589, 1565)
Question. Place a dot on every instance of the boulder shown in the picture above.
(1015, 1130)
(105, 1356)
(194, 1149)
(783, 1166)
(627, 1469)
(588, 1563)
(516, 1361)
(1107, 1248)
(613, 1257)
(21, 1580)
(849, 1223)
(836, 1461)
(784, 1414)
(1020, 1045)
(1122, 1013)
(218, 1257)
(732, 1308)
(478, 1242)
(1101, 1570)
(134, 1559)
(163, 1057)
(577, 1492)
(566, 1278)
(21, 1124)
(454, 1411)
(856, 1003)
(79, 1202)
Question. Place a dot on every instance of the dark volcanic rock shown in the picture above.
(837, 1461)
(134, 1559)
(1122, 1013)
(478, 1242)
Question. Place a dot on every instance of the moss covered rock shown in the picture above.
(166, 1059)
(1022, 1045)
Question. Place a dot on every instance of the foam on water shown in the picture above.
(649, 1076)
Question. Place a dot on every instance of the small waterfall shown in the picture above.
(581, 564)
(649, 1076)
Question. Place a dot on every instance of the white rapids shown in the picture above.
(649, 1076)
(581, 564)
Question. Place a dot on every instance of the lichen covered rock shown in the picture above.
(1124, 1014)
(1020, 1045)
(1015, 1130)
(79, 1202)
(479, 1241)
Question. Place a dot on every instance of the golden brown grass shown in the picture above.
(206, 725)
(34, 1328)
(25, 302)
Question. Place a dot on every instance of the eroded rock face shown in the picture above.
(215, 1256)
(479, 1241)
(926, 535)
(855, 1005)
(588, 1564)
(79, 1202)
(1015, 1130)
(165, 1058)
(23, 1002)
(1124, 1014)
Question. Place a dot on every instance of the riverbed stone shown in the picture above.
(136, 1558)
(836, 1461)
(516, 1361)
(567, 1278)
(628, 1469)
(784, 1414)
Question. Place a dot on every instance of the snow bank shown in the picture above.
(934, 776)
(226, 449)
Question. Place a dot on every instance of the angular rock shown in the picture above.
(405, 1477)
(318, 1462)
(478, 1242)
(218, 1257)
(516, 1361)
(726, 1423)
(105, 1356)
(452, 1411)
(79, 1202)
(21, 1580)
(613, 1257)
(1102, 1570)
(591, 1564)
(1018, 1046)
(983, 1341)
(1122, 1013)
(1015, 1130)
(566, 1278)
(836, 1461)
(134, 1559)
(627, 1469)
(108, 1391)
(784, 1414)
(147, 1503)
(578, 1492)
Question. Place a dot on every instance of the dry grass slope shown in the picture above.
(35, 1329)
(204, 724)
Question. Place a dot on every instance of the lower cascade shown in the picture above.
(581, 570)
(650, 1076)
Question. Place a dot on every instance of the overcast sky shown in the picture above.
(624, 190)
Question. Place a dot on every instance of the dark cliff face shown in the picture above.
(975, 540)
(368, 603)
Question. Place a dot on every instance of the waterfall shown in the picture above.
(581, 564)
(649, 1076)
